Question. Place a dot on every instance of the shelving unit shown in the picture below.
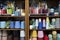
(7, 18)
(27, 17)
(54, 4)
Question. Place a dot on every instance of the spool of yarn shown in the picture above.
(36, 23)
(36, 10)
(3, 11)
(58, 36)
(47, 23)
(22, 12)
(17, 24)
(22, 38)
(16, 38)
(22, 24)
(7, 24)
(12, 24)
(40, 34)
(3, 24)
(40, 25)
(34, 34)
(34, 38)
(50, 37)
(44, 24)
(4, 33)
(9, 37)
(46, 37)
(4, 38)
(54, 33)
(16, 35)
(16, 13)
(34, 27)
(57, 23)
(52, 11)
(53, 22)
(19, 12)
(22, 33)
(9, 10)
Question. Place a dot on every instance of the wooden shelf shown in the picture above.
(47, 29)
(13, 16)
(11, 29)
(44, 16)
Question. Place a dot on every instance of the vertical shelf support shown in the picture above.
(27, 19)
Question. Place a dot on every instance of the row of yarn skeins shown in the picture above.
(11, 8)
(12, 24)
(45, 23)
(12, 35)
(41, 36)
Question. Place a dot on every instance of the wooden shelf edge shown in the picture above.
(45, 16)
(12, 29)
(46, 29)
(11, 16)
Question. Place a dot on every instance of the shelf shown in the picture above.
(37, 16)
(12, 16)
(47, 29)
(12, 29)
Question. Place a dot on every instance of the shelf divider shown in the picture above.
(26, 19)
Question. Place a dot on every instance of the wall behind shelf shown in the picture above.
(51, 3)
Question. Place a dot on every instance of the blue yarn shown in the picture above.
(22, 24)
(40, 25)
(17, 24)
(12, 24)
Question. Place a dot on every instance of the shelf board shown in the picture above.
(12, 29)
(46, 29)
(37, 16)
(12, 16)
